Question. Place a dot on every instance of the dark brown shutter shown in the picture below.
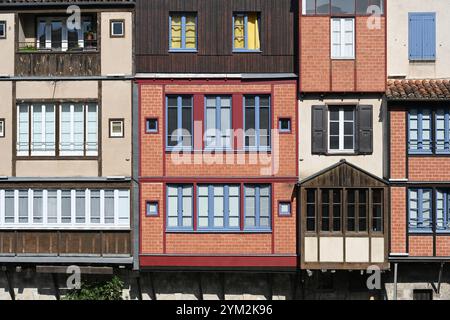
(319, 130)
(365, 129)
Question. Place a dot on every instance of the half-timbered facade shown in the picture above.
(343, 196)
(66, 160)
(218, 125)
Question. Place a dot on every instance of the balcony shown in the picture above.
(51, 46)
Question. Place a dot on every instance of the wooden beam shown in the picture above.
(84, 270)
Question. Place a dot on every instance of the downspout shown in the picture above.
(395, 280)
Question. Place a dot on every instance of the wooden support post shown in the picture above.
(200, 288)
(56, 285)
(10, 285)
(222, 286)
(270, 285)
(152, 287)
(441, 270)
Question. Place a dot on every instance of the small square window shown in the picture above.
(2, 29)
(284, 125)
(116, 128)
(2, 128)
(117, 28)
(151, 125)
(151, 209)
(284, 208)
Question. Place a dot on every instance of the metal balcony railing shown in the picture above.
(61, 46)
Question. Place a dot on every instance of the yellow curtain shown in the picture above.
(176, 32)
(239, 36)
(253, 32)
(190, 32)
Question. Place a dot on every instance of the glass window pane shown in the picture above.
(109, 206)
(23, 206)
(52, 206)
(342, 6)
(66, 206)
(95, 206)
(38, 204)
(80, 204)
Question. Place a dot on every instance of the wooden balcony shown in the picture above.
(34, 62)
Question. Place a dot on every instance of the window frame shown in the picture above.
(149, 214)
(245, 16)
(226, 214)
(329, 13)
(289, 130)
(118, 222)
(2, 128)
(179, 123)
(258, 146)
(183, 16)
(218, 118)
(257, 227)
(58, 151)
(420, 192)
(114, 135)
(151, 131)
(112, 22)
(179, 228)
(4, 23)
(342, 39)
(341, 122)
(282, 203)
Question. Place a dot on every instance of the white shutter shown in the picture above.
(348, 35)
(343, 38)
(92, 130)
(335, 38)
(22, 130)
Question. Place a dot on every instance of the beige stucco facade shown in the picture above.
(310, 164)
(117, 53)
(397, 25)
(7, 46)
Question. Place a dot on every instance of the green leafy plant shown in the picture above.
(106, 290)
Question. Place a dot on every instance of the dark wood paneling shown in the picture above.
(215, 37)
(82, 243)
(57, 64)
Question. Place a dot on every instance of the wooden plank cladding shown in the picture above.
(76, 243)
(215, 37)
(57, 64)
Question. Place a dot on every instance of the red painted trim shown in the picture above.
(272, 125)
(385, 42)
(186, 81)
(164, 218)
(300, 17)
(224, 179)
(218, 93)
(218, 261)
(297, 137)
(198, 116)
(163, 135)
(355, 71)
(140, 167)
(238, 119)
(194, 207)
(272, 200)
(242, 208)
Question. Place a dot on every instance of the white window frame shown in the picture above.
(3, 35)
(342, 41)
(121, 219)
(122, 127)
(43, 131)
(2, 128)
(341, 130)
(122, 23)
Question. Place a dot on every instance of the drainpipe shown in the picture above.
(395, 280)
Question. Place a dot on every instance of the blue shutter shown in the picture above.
(429, 36)
(422, 36)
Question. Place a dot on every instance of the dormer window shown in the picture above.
(56, 34)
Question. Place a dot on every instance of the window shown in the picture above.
(151, 125)
(284, 209)
(342, 38)
(219, 207)
(2, 29)
(183, 32)
(442, 210)
(78, 130)
(257, 122)
(357, 210)
(284, 125)
(151, 209)
(117, 28)
(422, 36)
(179, 122)
(246, 32)
(2, 128)
(442, 130)
(53, 33)
(420, 210)
(311, 210)
(179, 208)
(341, 129)
(420, 131)
(218, 122)
(66, 209)
(116, 128)
(257, 208)
(325, 7)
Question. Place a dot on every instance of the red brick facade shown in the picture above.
(418, 171)
(319, 73)
(159, 168)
